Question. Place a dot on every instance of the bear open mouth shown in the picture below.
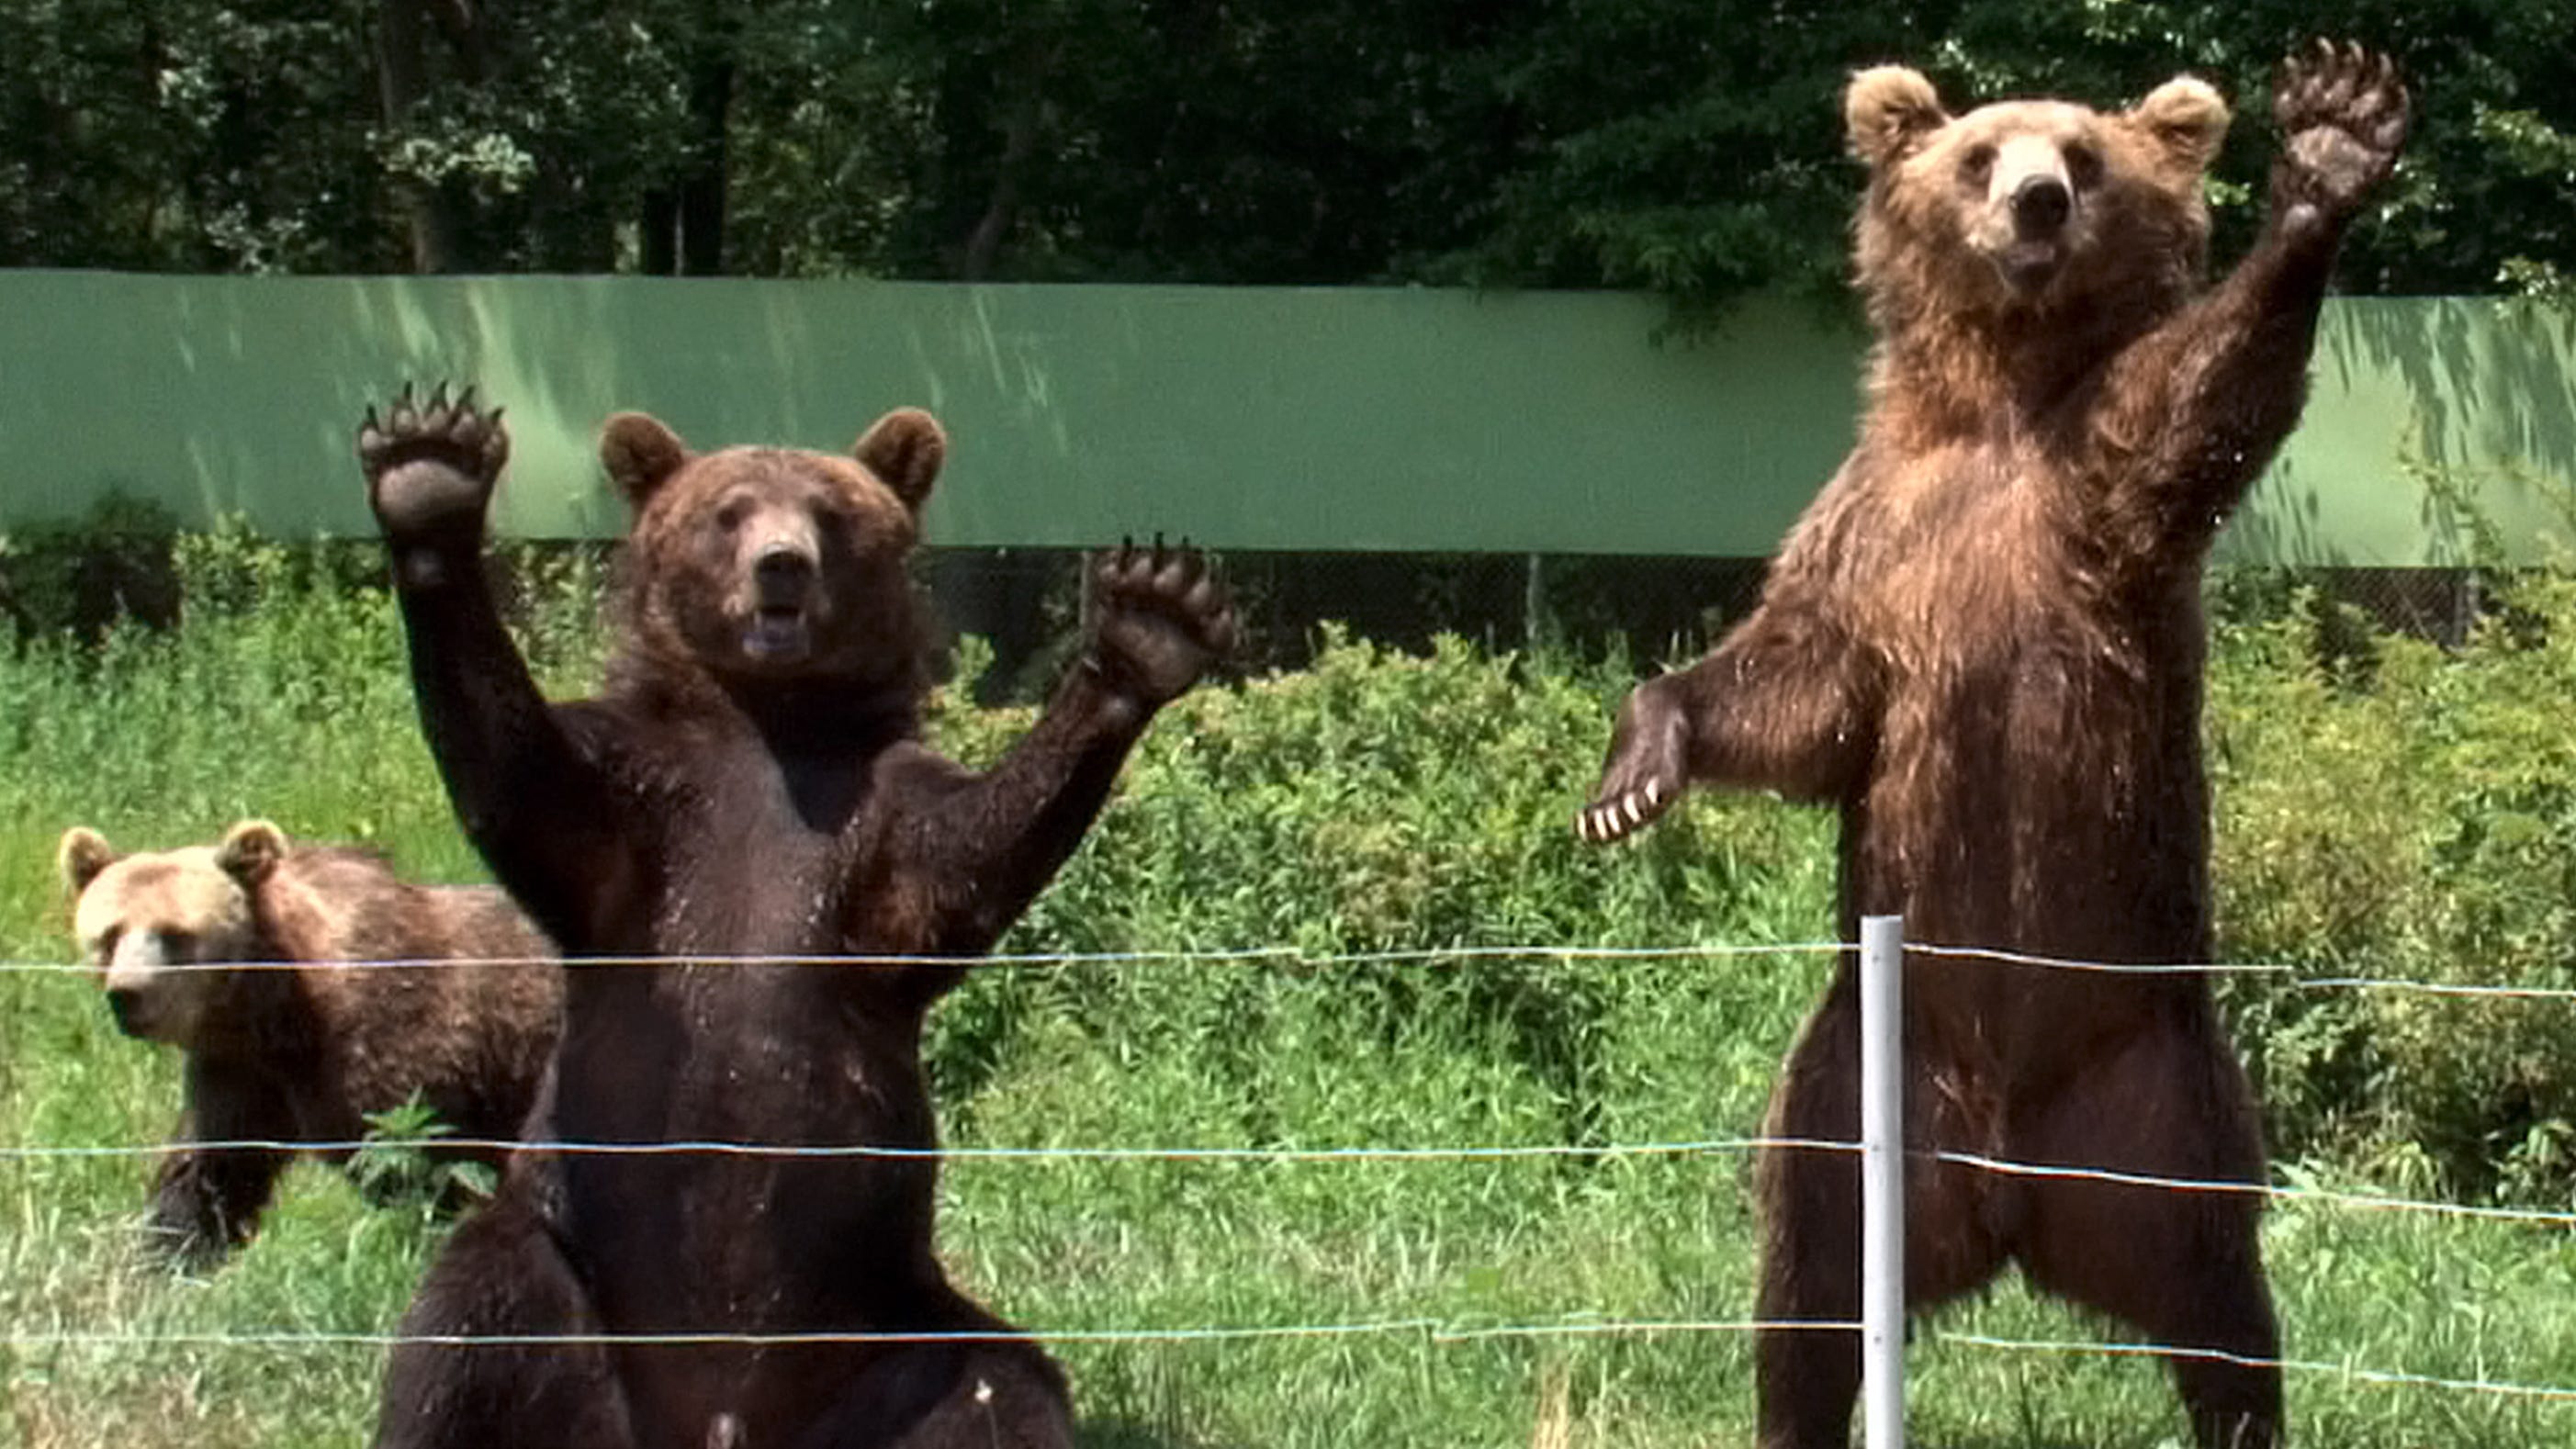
(2028, 266)
(778, 634)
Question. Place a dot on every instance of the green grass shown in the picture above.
(1372, 803)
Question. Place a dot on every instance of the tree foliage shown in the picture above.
(1690, 147)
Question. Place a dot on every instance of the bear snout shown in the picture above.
(780, 631)
(131, 1011)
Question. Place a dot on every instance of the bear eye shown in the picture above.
(107, 940)
(179, 945)
(730, 516)
(2083, 166)
(1977, 165)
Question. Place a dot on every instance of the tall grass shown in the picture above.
(1376, 802)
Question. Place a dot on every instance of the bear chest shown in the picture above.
(757, 856)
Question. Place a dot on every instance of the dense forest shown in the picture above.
(1690, 147)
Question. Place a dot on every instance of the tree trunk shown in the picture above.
(659, 225)
(401, 80)
(1002, 210)
(702, 190)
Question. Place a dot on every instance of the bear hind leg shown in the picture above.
(2183, 1267)
(500, 1275)
(966, 1395)
(1808, 1378)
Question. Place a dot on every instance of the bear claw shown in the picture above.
(430, 463)
(1618, 817)
(1645, 773)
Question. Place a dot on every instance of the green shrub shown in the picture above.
(1382, 802)
(2409, 816)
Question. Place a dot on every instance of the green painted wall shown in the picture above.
(1246, 418)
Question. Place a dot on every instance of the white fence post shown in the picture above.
(1882, 1181)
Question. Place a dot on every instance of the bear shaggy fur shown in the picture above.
(1983, 643)
(303, 1055)
(746, 799)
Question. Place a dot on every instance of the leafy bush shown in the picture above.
(1383, 802)
(2407, 814)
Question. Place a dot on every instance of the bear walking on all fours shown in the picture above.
(1983, 643)
(304, 1054)
(748, 789)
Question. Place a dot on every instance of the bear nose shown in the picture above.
(2041, 204)
(126, 1005)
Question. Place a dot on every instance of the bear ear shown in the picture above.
(250, 851)
(904, 449)
(82, 855)
(1887, 110)
(640, 455)
(2187, 118)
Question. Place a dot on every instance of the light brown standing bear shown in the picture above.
(301, 1055)
(1983, 644)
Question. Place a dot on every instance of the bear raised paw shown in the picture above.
(1158, 620)
(2343, 114)
(430, 466)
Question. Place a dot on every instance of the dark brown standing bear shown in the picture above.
(304, 1054)
(1983, 643)
(746, 794)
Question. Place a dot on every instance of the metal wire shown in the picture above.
(868, 1150)
(1037, 959)
(1433, 1329)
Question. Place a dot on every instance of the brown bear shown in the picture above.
(1983, 643)
(304, 1054)
(745, 806)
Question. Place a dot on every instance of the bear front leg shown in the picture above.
(2196, 410)
(207, 1201)
(533, 803)
(1785, 704)
(1157, 620)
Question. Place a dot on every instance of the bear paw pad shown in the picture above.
(430, 463)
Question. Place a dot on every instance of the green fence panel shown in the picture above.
(1264, 418)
